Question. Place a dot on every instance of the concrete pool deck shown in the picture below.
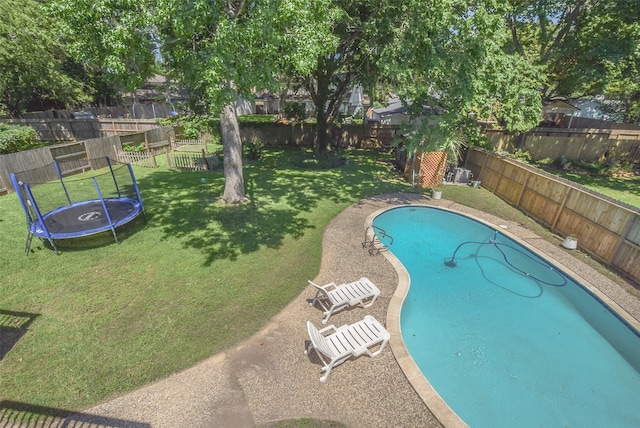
(267, 378)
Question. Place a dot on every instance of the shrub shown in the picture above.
(562, 162)
(293, 110)
(15, 138)
(522, 156)
(518, 154)
(253, 149)
(134, 148)
(193, 127)
(546, 161)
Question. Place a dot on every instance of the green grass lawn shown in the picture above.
(622, 188)
(195, 279)
(625, 189)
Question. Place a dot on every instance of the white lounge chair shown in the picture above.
(334, 297)
(345, 342)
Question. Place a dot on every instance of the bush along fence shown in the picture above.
(81, 156)
(607, 229)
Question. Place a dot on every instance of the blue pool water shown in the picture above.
(502, 337)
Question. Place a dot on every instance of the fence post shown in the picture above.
(500, 176)
(3, 187)
(621, 239)
(562, 204)
(204, 159)
(485, 157)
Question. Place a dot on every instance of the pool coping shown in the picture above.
(438, 406)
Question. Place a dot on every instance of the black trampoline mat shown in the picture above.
(89, 217)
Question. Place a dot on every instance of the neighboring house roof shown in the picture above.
(559, 105)
(394, 106)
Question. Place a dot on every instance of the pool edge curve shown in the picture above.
(438, 406)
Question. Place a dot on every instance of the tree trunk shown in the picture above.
(322, 136)
(232, 153)
(320, 99)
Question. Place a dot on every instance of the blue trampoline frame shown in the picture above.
(78, 219)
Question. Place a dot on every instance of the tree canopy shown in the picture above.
(115, 37)
(71, 50)
(32, 60)
(584, 47)
(455, 57)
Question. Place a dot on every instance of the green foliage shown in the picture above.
(361, 29)
(256, 118)
(254, 149)
(457, 59)
(16, 138)
(193, 126)
(115, 37)
(609, 168)
(33, 62)
(545, 161)
(521, 155)
(295, 110)
(196, 280)
(608, 180)
(201, 44)
(584, 48)
(134, 147)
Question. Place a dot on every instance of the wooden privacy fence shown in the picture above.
(78, 156)
(68, 129)
(607, 229)
(578, 145)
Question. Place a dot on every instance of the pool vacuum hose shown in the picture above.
(451, 262)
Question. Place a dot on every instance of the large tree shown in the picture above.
(363, 28)
(112, 37)
(219, 49)
(32, 60)
(584, 47)
(225, 50)
(453, 56)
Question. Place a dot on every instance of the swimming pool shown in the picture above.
(501, 347)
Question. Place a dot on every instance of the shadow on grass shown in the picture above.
(16, 414)
(185, 204)
(13, 325)
(95, 240)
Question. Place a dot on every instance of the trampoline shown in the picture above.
(80, 206)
